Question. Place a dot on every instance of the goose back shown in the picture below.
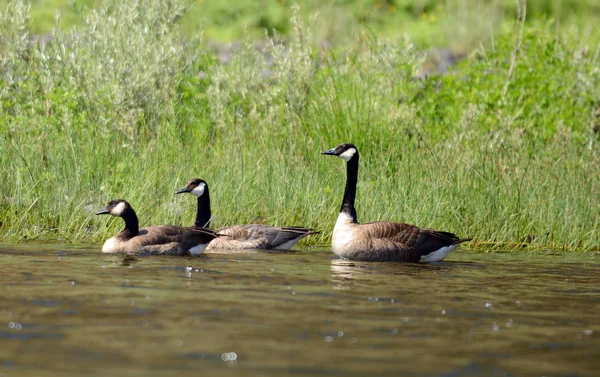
(258, 236)
(391, 241)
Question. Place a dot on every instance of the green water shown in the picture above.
(68, 311)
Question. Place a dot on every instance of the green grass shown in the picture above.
(460, 24)
(128, 105)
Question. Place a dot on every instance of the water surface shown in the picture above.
(70, 311)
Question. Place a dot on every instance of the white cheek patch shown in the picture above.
(198, 190)
(348, 154)
(118, 210)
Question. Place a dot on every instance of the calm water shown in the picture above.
(68, 311)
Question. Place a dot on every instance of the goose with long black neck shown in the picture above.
(236, 237)
(382, 241)
(161, 240)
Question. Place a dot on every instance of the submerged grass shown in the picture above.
(503, 149)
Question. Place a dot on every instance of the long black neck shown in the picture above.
(203, 213)
(132, 226)
(350, 191)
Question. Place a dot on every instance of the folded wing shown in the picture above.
(259, 236)
(401, 241)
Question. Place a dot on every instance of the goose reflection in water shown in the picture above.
(125, 260)
(345, 272)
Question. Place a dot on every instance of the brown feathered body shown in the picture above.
(162, 240)
(258, 236)
(390, 241)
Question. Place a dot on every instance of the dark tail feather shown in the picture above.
(458, 242)
(300, 230)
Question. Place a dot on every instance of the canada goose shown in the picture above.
(162, 239)
(382, 241)
(251, 236)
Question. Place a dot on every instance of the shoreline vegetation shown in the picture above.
(127, 102)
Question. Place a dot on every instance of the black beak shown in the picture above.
(103, 211)
(330, 151)
(182, 190)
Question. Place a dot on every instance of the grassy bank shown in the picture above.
(502, 149)
(460, 24)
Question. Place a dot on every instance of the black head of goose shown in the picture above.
(382, 241)
(162, 239)
(250, 236)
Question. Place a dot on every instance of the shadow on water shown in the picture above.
(72, 311)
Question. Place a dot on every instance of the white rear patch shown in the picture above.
(348, 154)
(198, 249)
(288, 245)
(439, 254)
(118, 210)
(343, 233)
(198, 190)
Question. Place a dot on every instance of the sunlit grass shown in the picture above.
(459, 24)
(127, 106)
